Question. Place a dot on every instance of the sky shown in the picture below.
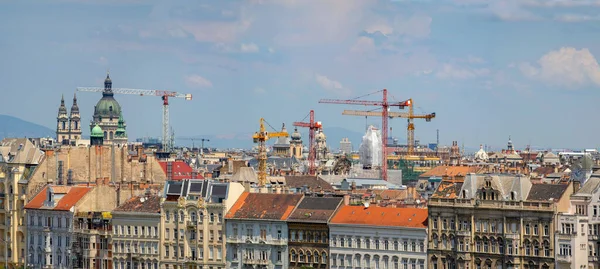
(488, 69)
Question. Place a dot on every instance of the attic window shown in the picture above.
(488, 183)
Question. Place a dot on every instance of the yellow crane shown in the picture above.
(410, 115)
(261, 138)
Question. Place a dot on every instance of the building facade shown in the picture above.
(494, 221)
(257, 231)
(193, 219)
(108, 116)
(309, 232)
(18, 158)
(68, 127)
(578, 230)
(345, 146)
(378, 237)
(90, 241)
(50, 225)
(136, 233)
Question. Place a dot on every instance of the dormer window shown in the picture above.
(488, 184)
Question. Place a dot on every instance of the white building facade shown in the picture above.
(360, 239)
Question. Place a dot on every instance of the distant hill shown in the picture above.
(14, 127)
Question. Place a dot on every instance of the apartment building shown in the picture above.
(309, 232)
(192, 217)
(136, 241)
(494, 221)
(90, 247)
(378, 237)
(578, 230)
(257, 231)
(18, 158)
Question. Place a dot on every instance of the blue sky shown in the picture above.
(489, 69)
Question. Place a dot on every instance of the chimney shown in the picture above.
(576, 186)
(140, 150)
(346, 199)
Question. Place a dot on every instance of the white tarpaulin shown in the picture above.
(370, 148)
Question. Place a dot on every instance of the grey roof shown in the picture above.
(506, 184)
(546, 192)
(245, 174)
(590, 186)
(20, 150)
(207, 189)
(315, 209)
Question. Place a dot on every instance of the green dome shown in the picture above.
(97, 132)
(107, 107)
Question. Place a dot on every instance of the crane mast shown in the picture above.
(165, 95)
(312, 127)
(260, 138)
(410, 115)
(385, 106)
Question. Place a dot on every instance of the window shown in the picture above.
(546, 230)
(167, 232)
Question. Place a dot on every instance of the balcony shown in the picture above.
(256, 262)
(191, 224)
(234, 240)
(593, 258)
(565, 236)
(492, 204)
(563, 258)
(593, 237)
(463, 233)
(512, 236)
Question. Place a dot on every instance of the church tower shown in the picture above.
(74, 121)
(107, 113)
(62, 123)
(296, 144)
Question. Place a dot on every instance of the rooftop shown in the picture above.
(264, 206)
(315, 209)
(314, 183)
(447, 170)
(381, 216)
(67, 198)
(546, 192)
(141, 204)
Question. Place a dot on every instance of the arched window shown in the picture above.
(105, 135)
(181, 218)
(316, 257)
(301, 256)
(193, 216)
(308, 257)
(293, 255)
(111, 135)
(212, 217)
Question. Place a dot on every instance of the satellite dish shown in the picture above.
(366, 204)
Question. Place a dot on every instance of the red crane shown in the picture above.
(312, 127)
(384, 119)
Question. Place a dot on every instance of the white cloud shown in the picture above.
(249, 48)
(566, 67)
(197, 81)
(450, 71)
(576, 18)
(332, 85)
(260, 91)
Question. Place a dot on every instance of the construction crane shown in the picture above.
(261, 137)
(385, 105)
(312, 127)
(165, 95)
(410, 130)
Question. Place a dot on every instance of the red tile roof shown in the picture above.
(447, 170)
(180, 170)
(381, 216)
(72, 196)
(267, 206)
